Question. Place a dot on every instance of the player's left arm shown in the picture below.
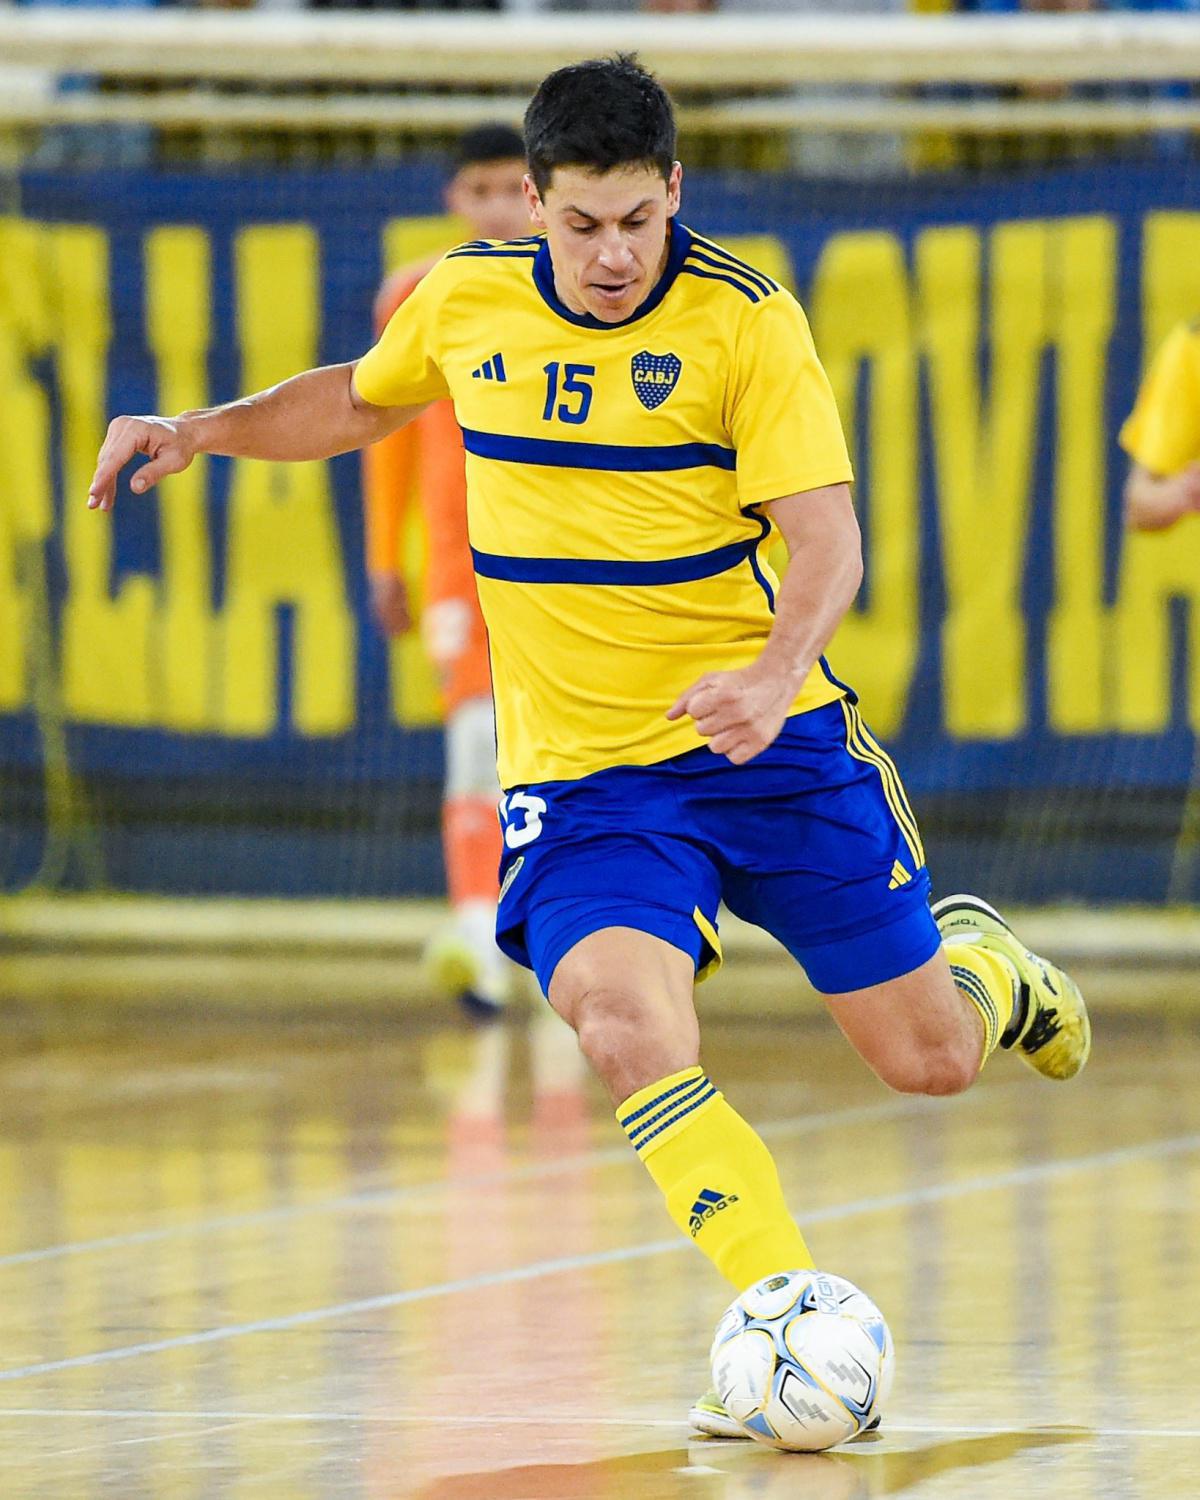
(740, 713)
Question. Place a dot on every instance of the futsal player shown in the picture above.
(669, 731)
(485, 190)
(1162, 436)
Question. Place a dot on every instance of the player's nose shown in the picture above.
(615, 254)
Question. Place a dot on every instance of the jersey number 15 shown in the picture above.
(576, 390)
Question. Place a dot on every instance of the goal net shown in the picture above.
(991, 227)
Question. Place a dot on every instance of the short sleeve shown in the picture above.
(1162, 432)
(783, 418)
(402, 369)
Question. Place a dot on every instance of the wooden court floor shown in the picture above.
(375, 1259)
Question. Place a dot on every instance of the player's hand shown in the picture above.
(1189, 483)
(166, 443)
(738, 713)
(389, 603)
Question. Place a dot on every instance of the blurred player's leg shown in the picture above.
(464, 960)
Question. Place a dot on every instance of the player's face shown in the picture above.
(489, 196)
(607, 233)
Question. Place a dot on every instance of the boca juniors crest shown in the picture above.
(654, 377)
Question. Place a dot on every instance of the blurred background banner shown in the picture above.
(192, 699)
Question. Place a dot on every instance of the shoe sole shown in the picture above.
(710, 1425)
(704, 1421)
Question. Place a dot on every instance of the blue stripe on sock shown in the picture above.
(675, 1088)
(697, 1087)
(666, 1125)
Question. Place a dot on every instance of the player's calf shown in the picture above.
(913, 1031)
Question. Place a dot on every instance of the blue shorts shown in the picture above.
(813, 840)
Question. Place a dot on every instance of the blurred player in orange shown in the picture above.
(427, 457)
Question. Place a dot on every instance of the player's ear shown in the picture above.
(674, 189)
(533, 202)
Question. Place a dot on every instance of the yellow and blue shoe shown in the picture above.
(1050, 1027)
(708, 1418)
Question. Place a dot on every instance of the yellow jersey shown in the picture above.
(613, 475)
(1162, 433)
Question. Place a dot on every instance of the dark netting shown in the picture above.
(192, 698)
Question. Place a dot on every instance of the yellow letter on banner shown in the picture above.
(106, 636)
(178, 329)
(1084, 307)
(283, 538)
(26, 512)
(983, 460)
(860, 309)
(1159, 566)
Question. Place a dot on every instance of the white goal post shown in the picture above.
(308, 71)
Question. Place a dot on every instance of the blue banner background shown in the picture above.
(348, 211)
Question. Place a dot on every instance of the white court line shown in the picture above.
(372, 1198)
(1040, 1172)
(141, 1442)
(511, 1419)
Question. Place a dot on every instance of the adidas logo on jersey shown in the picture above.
(900, 876)
(491, 369)
(708, 1204)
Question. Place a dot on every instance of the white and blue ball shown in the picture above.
(803, 1360)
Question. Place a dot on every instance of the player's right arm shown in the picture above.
(315, 415)
(1162, 436)
(312, 416)
(1155, 501)
(793, 464)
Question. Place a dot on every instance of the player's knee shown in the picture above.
(939, 1070)
(629, 1039)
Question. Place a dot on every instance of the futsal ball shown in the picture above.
(803, 1360)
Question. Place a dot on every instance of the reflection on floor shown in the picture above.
(389, 1259)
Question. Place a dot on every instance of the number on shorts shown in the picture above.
(533, 808)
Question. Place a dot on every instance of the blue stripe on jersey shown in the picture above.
(755, 565)
(719, 263)
(521, 239)
(612, 570)
(851, 695)
(699, 241)
(557, 454)
(716, 276)
(497, 253)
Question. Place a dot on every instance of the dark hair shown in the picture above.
(484, 143)
(605, 113)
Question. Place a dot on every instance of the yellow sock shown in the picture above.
(718, 1178)
(990, 983)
